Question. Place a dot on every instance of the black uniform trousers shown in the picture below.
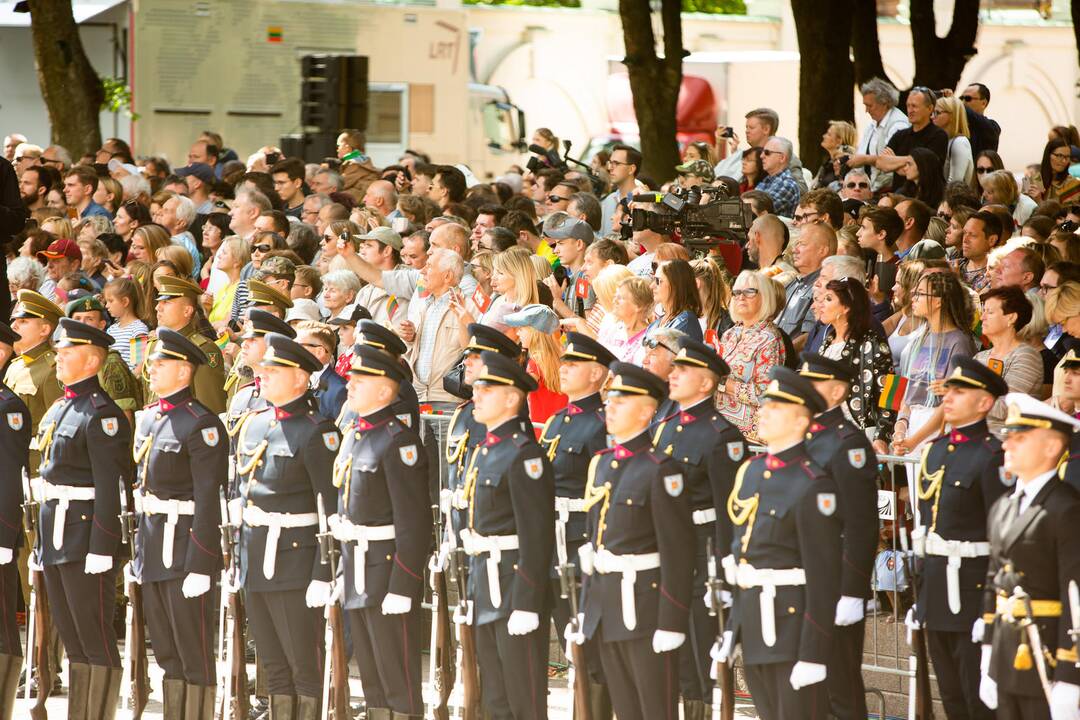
(644, 685)
(847, 694)
(694, 659)
(82, 609)
(560, 616)
(387, 649)
(956, 665)
(775, 699)
(181, 631)
(1021, 707)
(513, 670)
(10, 589)
(288, 641)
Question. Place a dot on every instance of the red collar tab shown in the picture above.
(686, 418)
(816, 427)
(491, 439)
(362, 424)
(958, 437)
(621, 453)
(774, 463)
(165, 405)
(573, 409)
(280, 414)
(69, 394)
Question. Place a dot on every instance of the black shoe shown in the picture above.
(57, 689)
(260, 710)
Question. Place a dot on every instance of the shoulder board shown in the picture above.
(655, 456)
(196, 408)
(811, 469)
(522, 439)
(394, 427)
(99, 400)
(720, 423)
(992, 442)
(847, 430)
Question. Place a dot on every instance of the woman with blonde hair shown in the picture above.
(231, 257)
(146, 241)
(838, 140)
(950, 115)
(631, 310)
(109, 194)
(179, 257)
(483, 265)
(1063, 307)
(600, 317)
(751, 348)
(999, 188)
(60, 227)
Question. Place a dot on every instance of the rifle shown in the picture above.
(335, 700)
(38, 620)
(470, 675)
(135, 633)
(234, 695)
(725, 673)
(577, 678)
(921, 703)
(442, 656)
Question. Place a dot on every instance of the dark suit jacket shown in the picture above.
(330, 393)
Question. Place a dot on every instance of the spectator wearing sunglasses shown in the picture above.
(751, 348)
(856, 186)
(984, 131)
(921, 134)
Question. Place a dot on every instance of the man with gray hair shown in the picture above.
(11, 142)
(761, 124)
(779, 183)
(661, 346)
(880, 99)
(57, 157)
(327, 181)
(249, 204)
(176, 216)
(436, 339)
(856, 186)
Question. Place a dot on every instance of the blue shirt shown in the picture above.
(94, 209)
(783, 190)
(685, 322)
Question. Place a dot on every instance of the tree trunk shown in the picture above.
(864, 42)
(939, 61)
(654, 82)
(826, 73)
(1074, 9)
(72, 90)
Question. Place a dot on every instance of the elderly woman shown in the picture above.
(751, 348)
(631, 310)
(601, 314)
(999, 188)
(838, 140)
(24, 273)
(1005, 312)
(339, 291)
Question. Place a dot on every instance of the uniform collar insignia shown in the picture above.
(816, 427)
(165, 405)
(362, 424)
(958, 437)
(491, 439)
(774, 463)
(280, 414)
(69, 393)
(685, 418)
(621, 452)
(573, 409)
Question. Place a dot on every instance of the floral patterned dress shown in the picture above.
(751, 351)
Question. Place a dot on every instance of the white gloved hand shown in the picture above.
(585, 558)
(849, 610)
(97, 564)
(574, 638)
(522, 622)
(665, 641)
(805, 674)
(393, 604)
(987, 687)
(195, 584)
(466, 617)
(337, 593)
(5, 555)
(721, 649)
(911, 623)
(1065, 701)
(33, 564)
(129, 574)
(318, 594)
(978, 629)
(725, 598)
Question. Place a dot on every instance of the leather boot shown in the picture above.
(103, 693)
(693, 710)
(307, 708)
(173, 702)
(379, 714)
(78, 691)
(9, 683)
(599, 702)
(282, 707)
(198, 702)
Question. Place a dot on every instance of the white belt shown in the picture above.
(152, 505)
(563, 507)
(345, 531)
(704, 517)
(63, 494)
(493, 545)
(255, 516)
(605, 561)
(768, 579)
(955, 550)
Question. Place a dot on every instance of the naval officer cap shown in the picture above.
(694, 353)
(971, 373)
(1027, 413)
(581, 347)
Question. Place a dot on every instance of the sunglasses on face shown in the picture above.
(557, 199)
(653, 343)
(262, 248)
(967, 98)
(859, 185)
(983, 170)
(745, 292)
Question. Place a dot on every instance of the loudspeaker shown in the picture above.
(334, 92)
(312, 147)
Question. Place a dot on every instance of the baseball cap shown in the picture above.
(698, 168)
(202, 171)
(382, 235)
(560, 226)
(62, 248)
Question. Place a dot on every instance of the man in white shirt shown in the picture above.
(880, 100)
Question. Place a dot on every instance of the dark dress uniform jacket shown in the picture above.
(571, 437)
(1071, 473)
(514, 494)
(839, 447)
(463, 435)
(1039, 550)
(797, 525)
(187, 459)
(85, 441)
(709, 450)
(405, 406)
(381, 474)
(296, 447)
(971, 458)
(15, 436)
(647, 511)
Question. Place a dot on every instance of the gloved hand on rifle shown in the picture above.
(195, 584)
(574, 638)
(987, 686)
(465, 618)
(33, 564)
(725, 598)
(318, 594)
(1065, 701)
(978, 629)
(585, 558)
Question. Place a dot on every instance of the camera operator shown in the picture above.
(649, 239)
(694, 173)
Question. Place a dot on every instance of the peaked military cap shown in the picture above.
(483, 338)
(372, 333)
(173, 287)
(261, 294)
(819, 367)
(582, 347)
(35, 305)
(694, 353)
(353, 316)
(1071, 360)
(368, 360)
(788, 386)
(971, 373)
(171, 345)
(501, 370)
(283, 351)
(1027, 413)
(87, 303)
(264, 323)
(75, 333)
(635, 381)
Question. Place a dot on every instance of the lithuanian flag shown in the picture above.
(892, 392)
(391, 306)
(222, 341)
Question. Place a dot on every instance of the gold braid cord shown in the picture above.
(742, 511)
(552, 443)
(454, 452)
(594, 495)
(45, 437)
(470, 483)
(142, 455)
(256, 454)
(933, 490)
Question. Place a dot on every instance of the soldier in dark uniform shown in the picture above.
(285, 457)
(182, 455)
(838, 446)
(639, 567)
(785, 562)
(1034, 557)
(709, 451)
(247, 398)
(959, 479)
(177, 309)
(115, 376)
(510, 537)
(406, 405)
(14, 463)
(384, 523)
(1071, 365)
(661, 347)
(85, 443)
(571, 437)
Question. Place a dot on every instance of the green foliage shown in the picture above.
(117, 97)
(528, 3)
(715, 7)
